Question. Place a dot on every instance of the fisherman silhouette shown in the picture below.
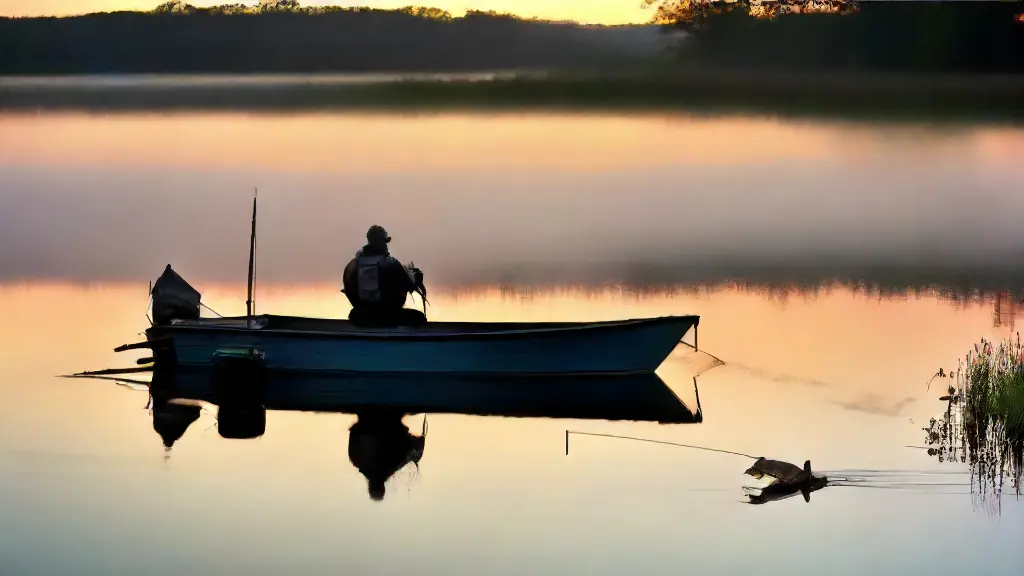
(377, 285)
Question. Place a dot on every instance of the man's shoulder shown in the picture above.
(385, 259)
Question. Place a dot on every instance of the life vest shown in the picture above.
(368, 274)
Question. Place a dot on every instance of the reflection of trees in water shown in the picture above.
(1005, 311)
(955, 279)
(1004, 303)
(983, 424)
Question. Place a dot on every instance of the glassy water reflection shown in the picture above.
(513, 218)
(837, 378)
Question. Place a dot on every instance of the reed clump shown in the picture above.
(984, 420)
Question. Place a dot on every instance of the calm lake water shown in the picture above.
(518, 217)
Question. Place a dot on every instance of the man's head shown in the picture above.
(377, 236)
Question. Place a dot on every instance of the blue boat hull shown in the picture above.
(632, 346)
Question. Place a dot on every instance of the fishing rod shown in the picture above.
(250, 303)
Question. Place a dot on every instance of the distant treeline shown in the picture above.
(926, 36)
(283, 37)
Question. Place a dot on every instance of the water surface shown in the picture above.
(524, 218)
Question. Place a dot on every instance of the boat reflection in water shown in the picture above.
(171, 419)
(380, 444)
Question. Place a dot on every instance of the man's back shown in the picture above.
(376, 280)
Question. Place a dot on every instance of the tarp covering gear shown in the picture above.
(174, 298)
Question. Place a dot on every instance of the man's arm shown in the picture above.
(403, 277)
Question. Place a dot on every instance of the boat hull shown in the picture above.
(626, 347)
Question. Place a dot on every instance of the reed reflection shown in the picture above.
(1004, 303)
(983, 423)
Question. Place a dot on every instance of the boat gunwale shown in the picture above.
(472, 375)
(483, 378)
(412, 334)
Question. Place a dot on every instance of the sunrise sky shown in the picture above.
(590, 11)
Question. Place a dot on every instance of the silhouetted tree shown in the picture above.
(427, 12)
(175, 7)
(282, 36)
(923, 35)
(229, 9)
(693, 14)
(278, 6)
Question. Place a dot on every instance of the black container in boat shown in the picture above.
(239, 379)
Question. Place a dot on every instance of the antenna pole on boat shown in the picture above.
(252, 263)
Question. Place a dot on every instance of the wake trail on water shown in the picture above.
(885, 473)
(919, 481)
(755, 371)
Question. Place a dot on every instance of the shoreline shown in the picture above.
(854, 95)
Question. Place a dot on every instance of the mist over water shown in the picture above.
(478, 199)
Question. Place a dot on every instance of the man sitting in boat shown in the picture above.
(377, 285)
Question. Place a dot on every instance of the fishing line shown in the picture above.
(719, 361)
(757, 372)
(211, 310)
(567, 432)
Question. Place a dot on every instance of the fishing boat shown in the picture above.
(324, 345)
(636, 346)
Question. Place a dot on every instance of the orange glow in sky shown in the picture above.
(359, 142)
(588, 11)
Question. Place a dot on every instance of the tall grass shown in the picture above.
(984, 420)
